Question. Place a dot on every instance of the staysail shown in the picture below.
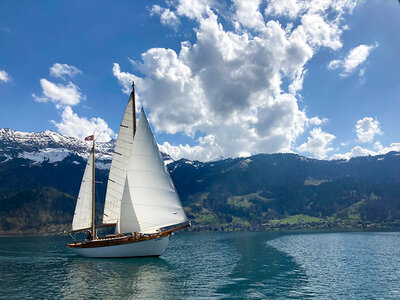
(149, 199)
(117, 175)
(83, 209)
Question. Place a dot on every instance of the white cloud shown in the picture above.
(59, 94)
(207, 149)
(80, 127)
(287, 8)
(63, 70)
(297, 83)
(65, 96)
(124, 78)
(248, 14)
(355, 58)
(334, 64)
(4, 76)
(317, 121)
(383, 150)
(360, 151)
(193, 9)
(227, 85)
(355, 152)
(167, 17)
(317, 143)
(366, 129)
(295, 8)
(320, 32)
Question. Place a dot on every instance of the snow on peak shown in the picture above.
(52, 147)
(50, 155)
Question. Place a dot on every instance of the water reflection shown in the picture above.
(210, 266)
(193, 265)
(127, 278)
(262, 271)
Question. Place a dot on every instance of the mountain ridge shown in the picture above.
(263, 191)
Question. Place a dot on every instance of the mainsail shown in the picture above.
(116, 178)
(83, 209)
(149, 199)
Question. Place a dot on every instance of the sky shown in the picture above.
(216, 78)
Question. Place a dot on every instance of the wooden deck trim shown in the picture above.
(107, 225)
(121, 239)
(78, 230)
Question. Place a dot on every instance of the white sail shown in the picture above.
(127, 221)
(83, 209)
(149, 186)
(116, 177)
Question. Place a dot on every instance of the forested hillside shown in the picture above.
(260, 192)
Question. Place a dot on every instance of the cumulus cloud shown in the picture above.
(320, 32)
(317, 121)
(80, 127)
(248, 14)
(380, 149)
(295, 8)
(167, 17)
(297, 83)
(124, 78)
(59, 94)
(317, 143)
(207, 149)
(65, 96)
(286, 8)
(4, 76)
(366, 129)
(64, 70)
(355, 152)
(227, 87)
(194, 9)
(334, 64)
(355, 58)
(360, 151)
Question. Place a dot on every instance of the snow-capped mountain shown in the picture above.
(52, 147)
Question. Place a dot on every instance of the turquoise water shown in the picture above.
(244, 265)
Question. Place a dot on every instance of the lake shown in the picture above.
(237, 265)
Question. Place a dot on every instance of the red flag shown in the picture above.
(89, 138)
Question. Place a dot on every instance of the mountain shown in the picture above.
(286, 190)
(40, 175)
(52, 147)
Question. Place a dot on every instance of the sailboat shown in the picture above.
(141, 200)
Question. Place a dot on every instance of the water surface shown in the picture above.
(245, 265)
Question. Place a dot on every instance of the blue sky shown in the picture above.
(217, 78)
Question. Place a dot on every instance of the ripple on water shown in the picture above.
(346, 265)
(210, 266)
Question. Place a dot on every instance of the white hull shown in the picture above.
(153, 247)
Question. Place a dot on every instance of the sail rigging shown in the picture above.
(116, 178)
(83, 211)
(149, 189)
(141, 199)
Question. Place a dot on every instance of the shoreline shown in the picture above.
(297, 228)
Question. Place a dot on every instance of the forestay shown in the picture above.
(117, 175)
(83, 209)
(149, 187)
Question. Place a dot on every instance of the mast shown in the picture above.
(120, 157)
(93, 190)
(149, 200)
(134, 108)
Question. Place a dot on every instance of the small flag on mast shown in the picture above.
(89, 138)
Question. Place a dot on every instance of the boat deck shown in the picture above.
(120, 239)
